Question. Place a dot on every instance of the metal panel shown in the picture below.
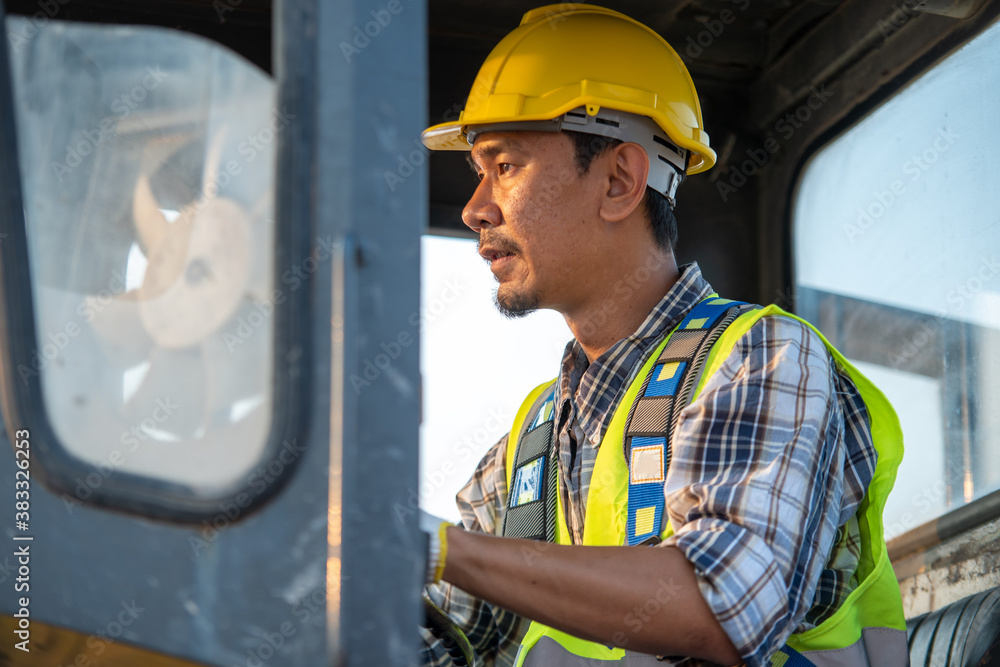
(236, 589)
(371, 103)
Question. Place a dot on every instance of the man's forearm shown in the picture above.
(642, 598)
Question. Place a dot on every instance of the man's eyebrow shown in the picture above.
(494, 148)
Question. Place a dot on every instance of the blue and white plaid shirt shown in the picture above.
(769, 465)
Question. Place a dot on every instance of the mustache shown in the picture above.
(497, 242)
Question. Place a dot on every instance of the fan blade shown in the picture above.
(117, 326)
(149, 220)
(240, 363)
(169, 402)
(212, 161)
(147, 214)
(261, 282)
(193, 285)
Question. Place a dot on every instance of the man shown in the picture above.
(751, 513)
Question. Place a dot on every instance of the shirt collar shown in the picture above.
(593, 389)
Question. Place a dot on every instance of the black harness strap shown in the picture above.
(531, 498)
(531, 501)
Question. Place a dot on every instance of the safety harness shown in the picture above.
(532, 501)
(626, 504)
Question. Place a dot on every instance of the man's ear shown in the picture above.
(627, 168)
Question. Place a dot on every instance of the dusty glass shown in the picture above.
(147, 158)
(897, 257)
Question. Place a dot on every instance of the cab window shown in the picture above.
(897, 259)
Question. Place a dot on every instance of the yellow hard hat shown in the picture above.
(569, 56)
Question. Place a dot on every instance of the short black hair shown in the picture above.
(661, 216)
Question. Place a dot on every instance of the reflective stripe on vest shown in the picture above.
(653, 416)
(532, 499)
(868, 628)
(547, 652)
(877, 647)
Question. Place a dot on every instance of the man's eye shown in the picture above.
(502, 168)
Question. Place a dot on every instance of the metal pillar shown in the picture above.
(367, 62)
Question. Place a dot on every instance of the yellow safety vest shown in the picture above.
(868, 629)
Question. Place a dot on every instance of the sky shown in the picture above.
(477, 367)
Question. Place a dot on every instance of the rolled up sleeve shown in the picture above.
(755, 487)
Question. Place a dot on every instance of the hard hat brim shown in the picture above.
(451, 137)
(445, 137)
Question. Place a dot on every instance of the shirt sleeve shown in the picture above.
(494, 632)
(755, 488)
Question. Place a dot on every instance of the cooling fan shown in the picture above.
(193, 272)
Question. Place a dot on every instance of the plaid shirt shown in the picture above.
(769, 465)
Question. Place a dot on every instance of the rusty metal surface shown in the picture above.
(966, 564)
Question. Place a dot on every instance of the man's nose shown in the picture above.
(481, 209)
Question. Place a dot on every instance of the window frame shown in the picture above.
(982, 510)
(22, 401)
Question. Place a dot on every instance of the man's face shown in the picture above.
(536, 218)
